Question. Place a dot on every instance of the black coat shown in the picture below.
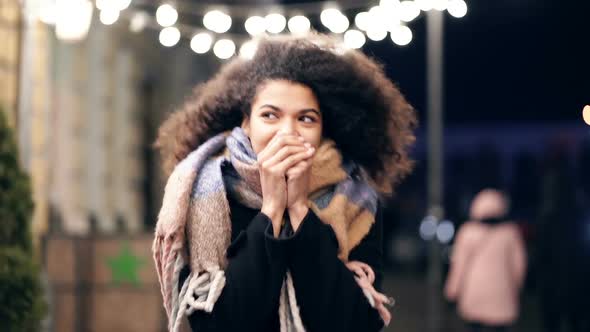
(329, 298)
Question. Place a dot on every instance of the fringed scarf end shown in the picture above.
(365, 277)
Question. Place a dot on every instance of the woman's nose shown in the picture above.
(289, 128)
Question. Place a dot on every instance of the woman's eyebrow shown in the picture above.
(271, 106)
(278, 109)
(313, 110)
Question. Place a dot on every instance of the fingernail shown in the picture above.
(307, 145)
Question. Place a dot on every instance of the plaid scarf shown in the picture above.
(194, 225)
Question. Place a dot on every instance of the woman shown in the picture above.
(487, 266)
(271, 218)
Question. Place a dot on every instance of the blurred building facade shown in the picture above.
(24, 77)
(86, 114)
(74, 108)
(10, 18)
(79, 114)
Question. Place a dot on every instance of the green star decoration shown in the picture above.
(124, 266)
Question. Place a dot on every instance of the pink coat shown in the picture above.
(487, 270)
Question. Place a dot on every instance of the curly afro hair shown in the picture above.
(362, 110)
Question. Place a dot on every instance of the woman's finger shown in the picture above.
(262, 155)
(283, 153)
(276, 143)
(299, 168)
(291, 160)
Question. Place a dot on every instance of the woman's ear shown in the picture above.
(246, 125)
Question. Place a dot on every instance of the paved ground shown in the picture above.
(416, 312)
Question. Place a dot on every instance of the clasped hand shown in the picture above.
(285, 170)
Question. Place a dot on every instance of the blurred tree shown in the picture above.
(22, 305)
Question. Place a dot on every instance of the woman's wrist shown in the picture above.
(297, 213)
(276, 217)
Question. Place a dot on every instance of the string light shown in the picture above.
(201, 42)
(341, 24)
(47, 12)
(361, 20)
(457, 8)
(255, 25)
(354, 39)
(299, 25)
(72, 20)
(378, 19)
(217, 21)
(408, 11)
(275, 23)
(166, 15)
(328, 15)
(109, 16)
(224, 48)
(402, 35)
(334, 20)
(248, 49)
(169, 36)
(380, 23)
(376, 34)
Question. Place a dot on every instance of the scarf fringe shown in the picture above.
(199, 291)
(166, 258)
(365, 278)
(288, 308)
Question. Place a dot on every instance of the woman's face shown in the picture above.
(283, 106)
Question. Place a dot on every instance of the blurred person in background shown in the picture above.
(488, 265)
(562, 239)
(271, 219)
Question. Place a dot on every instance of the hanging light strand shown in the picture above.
(351, 20)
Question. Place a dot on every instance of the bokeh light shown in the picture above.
(166, 15)
(169, 36)
(586, 114)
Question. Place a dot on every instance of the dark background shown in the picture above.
(505, 61)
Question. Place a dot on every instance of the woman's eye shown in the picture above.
(308, 117)
(266, 115)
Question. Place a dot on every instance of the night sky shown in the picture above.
(506, 61)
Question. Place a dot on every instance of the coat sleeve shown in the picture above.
(328, 296)
(254, 275)
(459, 257)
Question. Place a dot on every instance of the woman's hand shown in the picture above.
(298, 178)
(280, 154)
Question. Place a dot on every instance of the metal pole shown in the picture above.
(435, 84)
